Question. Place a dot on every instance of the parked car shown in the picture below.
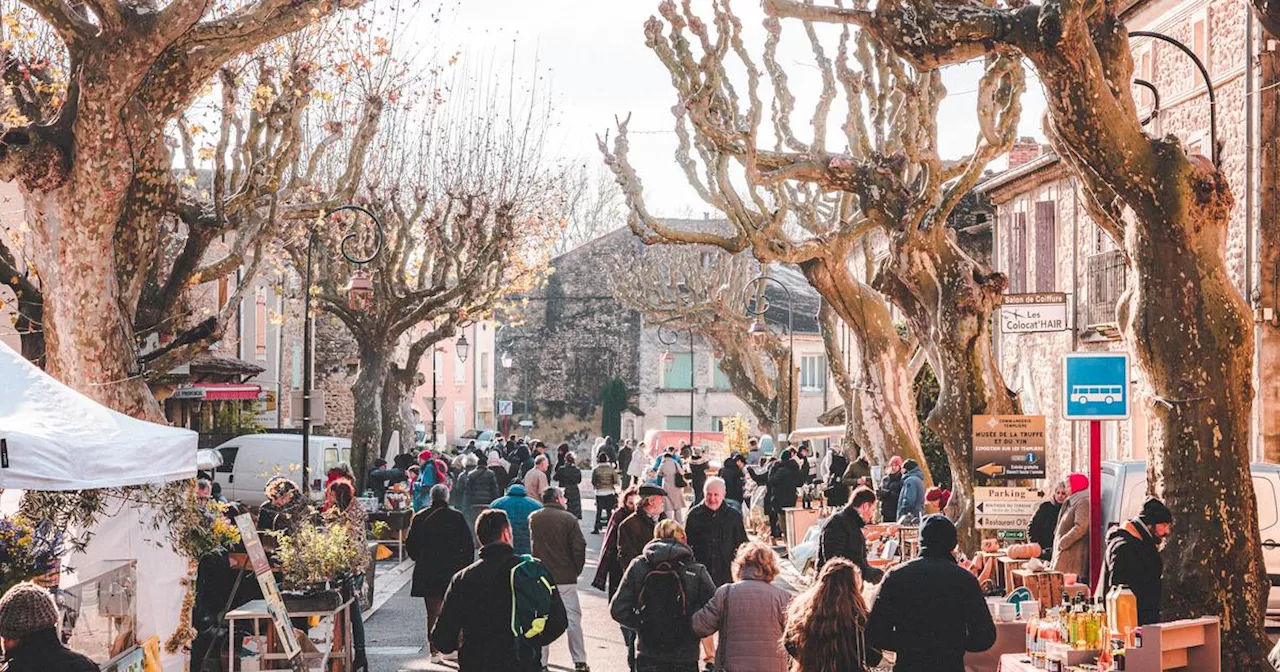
(482, 437)
(1129, 481)
(249, 461)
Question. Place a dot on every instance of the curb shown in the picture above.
(391, 582)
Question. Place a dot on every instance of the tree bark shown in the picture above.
(948, 299)
(366, 431)
(397, 412)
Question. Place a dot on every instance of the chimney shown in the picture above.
(1024, 150)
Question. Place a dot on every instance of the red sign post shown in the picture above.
(1095, 502)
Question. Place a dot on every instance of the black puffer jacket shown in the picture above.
(42, 652)
(715, 537)
(1042, 527)
(842, 537)
(734, 480)
(439, 544)
(1132, 559)
(482, 487)
(694, 580)
(568, 477)
(784, 481)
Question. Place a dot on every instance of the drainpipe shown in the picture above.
(284, 320)
(1075, 292)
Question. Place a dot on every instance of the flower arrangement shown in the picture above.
(204, 529)
(736, 434)
(315, 555)
(28, 550)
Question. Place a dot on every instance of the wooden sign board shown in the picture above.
(1008, 447)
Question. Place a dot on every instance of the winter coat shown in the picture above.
(535, 482)
(568, 477)
(482, 487)
(500, 475)
(750, 616)
(604, 478)
(842, 537)
(458, 493)
(608, 571)
(1071, 537)
(698, 589)
(477, 613)
(440, 544)
(931, 611)
(888, 492)
(558, 542)
(675, 494)
(42, 651)
(857, 469)
(1043, 524)
(624, 459)
(784, 480)
(518, 505)
(911, 499)
(635, 531)
(715, 537)
(698, 476)
(837, 493)
(734, 480)
(1132, 558)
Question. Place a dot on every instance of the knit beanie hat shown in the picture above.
(1155, 512)
(909, 465)
(937, 536)
(26, 608)
(1077, 482)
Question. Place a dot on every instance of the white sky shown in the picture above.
(599, 67)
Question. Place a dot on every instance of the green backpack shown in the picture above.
(532, 593)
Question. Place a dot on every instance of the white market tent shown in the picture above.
(58, 439)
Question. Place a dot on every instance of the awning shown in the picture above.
(218, 392)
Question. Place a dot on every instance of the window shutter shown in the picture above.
(1018, 254)
(1046, 246)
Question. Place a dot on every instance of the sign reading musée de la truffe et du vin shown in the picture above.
(1029, 313)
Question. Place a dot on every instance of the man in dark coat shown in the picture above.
(842, 535)
(440, 544)
(784, 480)
(637, 529)
(1043, 524)
(680, 652)
(858, 472)
(837, 493)
(29, 626)
(482, 488)
(930, 610)
(1132, 558)
(890, 488)
(624, 463)
(476, 617)
(715, 532)
(735, 483)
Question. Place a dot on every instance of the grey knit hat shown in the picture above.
(26, 608)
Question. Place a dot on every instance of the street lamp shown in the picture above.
(359, 297)
(667, 336)
(758, 329)
(462, 347)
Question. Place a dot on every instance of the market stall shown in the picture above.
(53, 438)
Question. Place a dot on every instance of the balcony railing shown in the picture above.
(1106, 282)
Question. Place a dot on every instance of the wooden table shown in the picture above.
(339, 655)
(1011, 638)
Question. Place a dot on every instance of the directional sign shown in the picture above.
(999, 508)
(992, 522)
(505, 407)
(1027, 313)
(1095, 386)
(1008, 447)
(1011, 535)
(1009, 494)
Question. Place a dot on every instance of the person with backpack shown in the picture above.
(842, 535)
(559, 544)
(440, 545)
(430, 472)
(633, 533)
(660, 592)
(501, 610)
(518, 505)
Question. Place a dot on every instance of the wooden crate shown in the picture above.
(1045, 587)
(1193, 644)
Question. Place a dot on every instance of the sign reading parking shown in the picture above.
(1096, 386)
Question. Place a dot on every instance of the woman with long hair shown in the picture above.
(826, 624)
(342, 508)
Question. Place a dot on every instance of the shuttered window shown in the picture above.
(1018, 254)
(1046, 246)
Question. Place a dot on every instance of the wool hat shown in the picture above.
(909, 465)
(26, 608)
(424, 455)
(1077, 482)
(1155, 512)
(937, 535)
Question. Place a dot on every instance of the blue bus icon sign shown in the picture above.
(1096, 386)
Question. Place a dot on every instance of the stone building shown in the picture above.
(1046, 241)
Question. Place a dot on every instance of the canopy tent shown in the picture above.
(55, 438)
(58, 439)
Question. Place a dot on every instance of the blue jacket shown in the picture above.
(517, 505)
(911, 500)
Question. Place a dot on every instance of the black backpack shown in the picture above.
(663, 607)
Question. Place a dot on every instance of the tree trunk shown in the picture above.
(882, 417)
(366, 431)
(397, 413)
(88, 339)
(948, 299)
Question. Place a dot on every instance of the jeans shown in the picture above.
(357, 626)
(651, 665)
(573, 609)
(629, 636)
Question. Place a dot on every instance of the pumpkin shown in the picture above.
(1024, 551)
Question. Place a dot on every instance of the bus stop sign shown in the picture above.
(1096, 386)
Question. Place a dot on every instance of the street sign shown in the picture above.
(505, 407)
(1009, 494)
(1001, 508)
(994, 522)
(1011, 535)
(1008, 447)
(1029, 313)
(1095, 386)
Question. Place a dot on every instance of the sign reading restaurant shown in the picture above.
(1029, 313)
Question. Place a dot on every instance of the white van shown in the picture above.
(1130, 480)
(249, 461)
